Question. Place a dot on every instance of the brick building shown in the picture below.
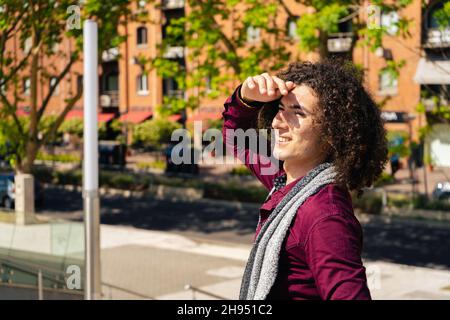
(130, 94)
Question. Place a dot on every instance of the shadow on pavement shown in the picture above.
(397, 241)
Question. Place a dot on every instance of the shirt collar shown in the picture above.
(279, 182)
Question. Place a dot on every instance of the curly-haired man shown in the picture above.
(329, 141)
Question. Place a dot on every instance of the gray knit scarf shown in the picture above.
(262, 265)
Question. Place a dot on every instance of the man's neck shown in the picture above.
(295, 170)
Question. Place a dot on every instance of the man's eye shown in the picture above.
(300, 113)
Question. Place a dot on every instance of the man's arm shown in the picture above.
(239, 114)
(333, 253)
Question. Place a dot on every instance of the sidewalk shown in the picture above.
(404, 186)
(223, 266)
(139, 264)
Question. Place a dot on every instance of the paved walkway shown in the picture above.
(217, 268)
(139, 264)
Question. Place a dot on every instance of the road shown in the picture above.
(396, 240)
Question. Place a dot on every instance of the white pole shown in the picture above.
(90, 164)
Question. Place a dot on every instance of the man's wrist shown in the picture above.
(250, 104)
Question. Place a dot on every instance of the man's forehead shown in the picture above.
(299, 94)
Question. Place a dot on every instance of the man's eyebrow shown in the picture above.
(295, 106)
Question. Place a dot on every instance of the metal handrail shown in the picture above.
(27, 286)
(29, 264)
(34, 272)
(195, 289)
(128, 291)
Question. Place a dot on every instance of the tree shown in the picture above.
(216, 58)
(155, 132)
(43, 25)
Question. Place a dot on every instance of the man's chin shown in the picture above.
(278, 155)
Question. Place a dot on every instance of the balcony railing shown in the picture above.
(340, 42)
(111, 54)
(179, 94)
(172, 4)
(109, 99)
(437, 38)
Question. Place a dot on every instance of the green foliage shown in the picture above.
(70, 177)
(393, 68)
(368, 203)
(72, 126)
(154, 132)
(422, 202)
(44, 25)
(241, 171)
(215, 124)
(212, 51)
(443, 16)
(384, 179)
(233, 192)
(67, 158)
(157, 164)
(11, 149)
(395, 148)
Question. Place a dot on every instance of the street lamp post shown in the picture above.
(90, 164)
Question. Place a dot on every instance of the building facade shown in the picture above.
(131, 93)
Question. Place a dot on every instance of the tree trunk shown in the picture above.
(323, 45)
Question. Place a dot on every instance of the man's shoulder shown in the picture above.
(330, 200)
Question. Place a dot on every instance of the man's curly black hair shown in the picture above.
(349, 119)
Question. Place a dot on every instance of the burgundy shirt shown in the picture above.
(321, 254)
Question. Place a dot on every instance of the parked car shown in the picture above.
(442, 191)
(7, 191)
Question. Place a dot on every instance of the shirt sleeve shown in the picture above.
(241, 115)
(333, 252)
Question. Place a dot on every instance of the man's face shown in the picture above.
(297, 138)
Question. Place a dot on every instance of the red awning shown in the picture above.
(105, 117)
(78, 114)
(22, 113)
(135, 116)
(175, 117)
(74, 114)
(206, 116)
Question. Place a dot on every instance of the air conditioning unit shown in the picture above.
(105, 100)
(339, 44)
(173, 4)
(110, 54)
(438, 38)
(174, 52)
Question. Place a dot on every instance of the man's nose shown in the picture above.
(279, 121)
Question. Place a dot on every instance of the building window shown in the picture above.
(439, 92)
(141, 36)
(292, 28)
(79, 83)
(388, 83)
(112, 82)
(142, 84)
(389, 21)
(26, 86)
(208, 84)
(52, 83)
(27, 45)
(253, 34)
